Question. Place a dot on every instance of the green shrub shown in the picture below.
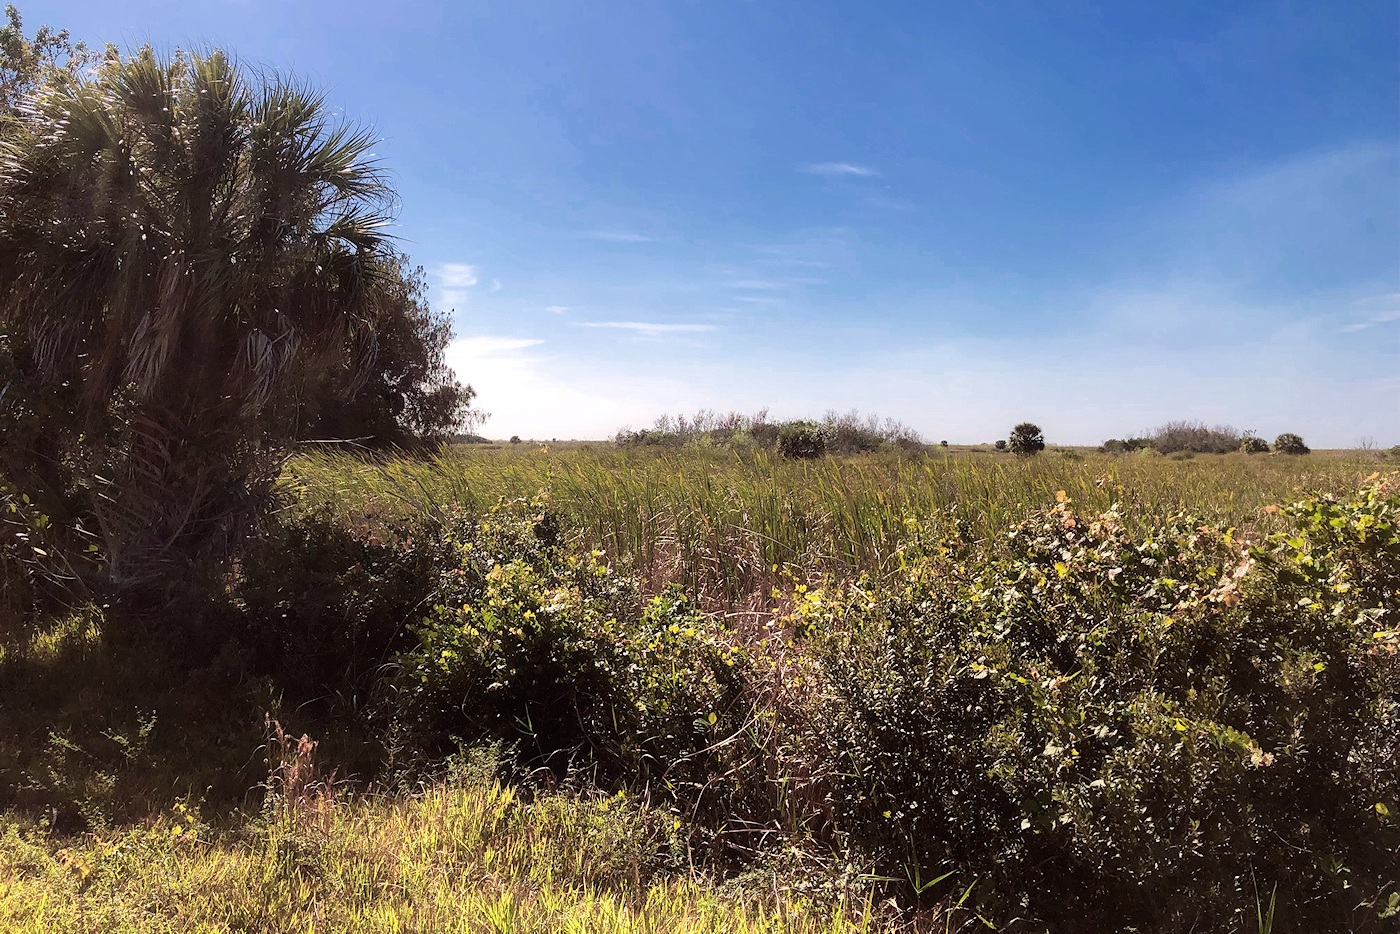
(802, 440)
(42, 562)
(1001, 444)
(841, 433)
(328, 603)
(1122, 446)
(1253, 444)
(1026, 440)
(1130, 730)
(1289, 443)
(555, 653)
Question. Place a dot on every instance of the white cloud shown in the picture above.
(457, 275)
(618, 236)
(480, 347)
(455, 279)
(538, 396)
(557, 309)
(496, 285)
(841, 168)
(649, 328)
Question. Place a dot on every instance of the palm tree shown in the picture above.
(182, 245)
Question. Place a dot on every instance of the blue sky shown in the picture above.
(1096, 216)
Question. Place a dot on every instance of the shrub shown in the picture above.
(328, 603)
(514, 439)
(1026, 440)
(1289, 443)
(802, 440)
(1196, 438)
(1120, 446)
(842, 433)
(556, 654)
(1253, 444)
(1130, 730)
(1001, 444)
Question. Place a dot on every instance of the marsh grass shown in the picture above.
(742, 533)
(728, 525)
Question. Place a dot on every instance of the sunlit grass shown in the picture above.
(468, 857)
(717, 521)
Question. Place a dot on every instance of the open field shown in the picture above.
(717, 521)
(730, 692)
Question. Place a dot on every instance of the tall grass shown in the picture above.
(719, 521)
(461, 857)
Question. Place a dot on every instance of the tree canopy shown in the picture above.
(193, 269)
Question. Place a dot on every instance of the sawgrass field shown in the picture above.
(582, 688)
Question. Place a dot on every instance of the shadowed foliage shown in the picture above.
(410, 400)
(182, 246)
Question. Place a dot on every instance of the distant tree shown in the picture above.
(1289, 443)
(514, 439)
(1253, 444)
(1026, 440)
(28, 64)
(1001, 444)
(183, 247)
(943, 444)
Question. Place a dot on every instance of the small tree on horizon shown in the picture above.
(1290, 443)
(1026, 440)
(1253, 444)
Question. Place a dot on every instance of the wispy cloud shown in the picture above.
(775, 285)
(648, 328)
(557, 309)
(455, 279)
(840, 168)
(494, 346)
(457, 275)
(619, 236)
(1384, 316)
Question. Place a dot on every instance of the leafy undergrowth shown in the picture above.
(464, 856)
(1095, 718)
